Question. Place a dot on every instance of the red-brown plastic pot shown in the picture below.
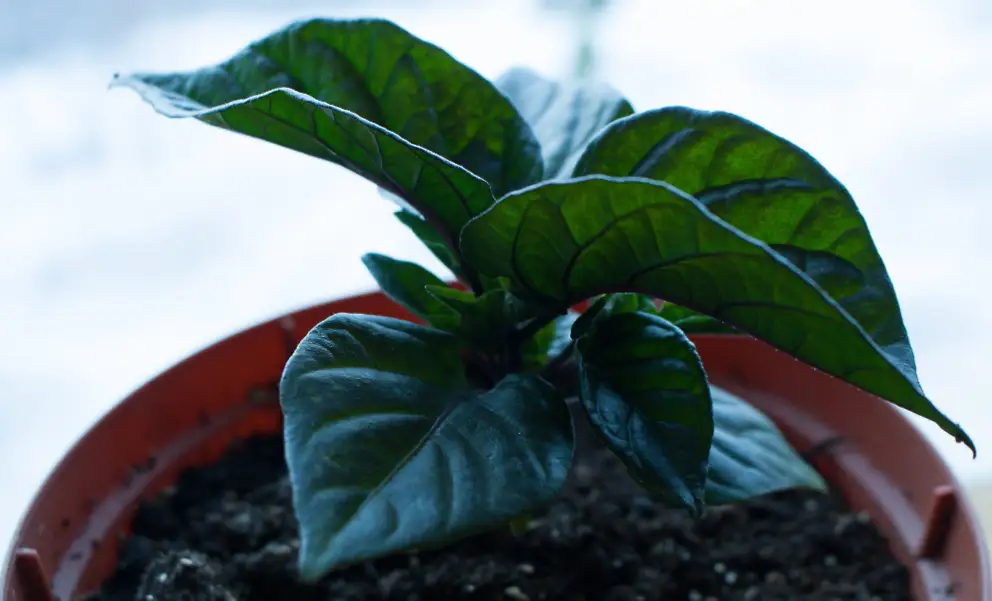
(67, 542)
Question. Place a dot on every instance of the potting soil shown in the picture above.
(226, 532)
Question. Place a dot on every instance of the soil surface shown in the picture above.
(226, 532)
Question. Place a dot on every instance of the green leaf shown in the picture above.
(611, 304)
(431, 239)
(644, 388)
(750, 457)
(770, 189)
(629, 302)
(368, 96)
(691, 322)
(489, 319)
(585, 321)
(550, 342)
(564, 117)
(389, 449)
(687, 320)
(406, 283)
(567, 241)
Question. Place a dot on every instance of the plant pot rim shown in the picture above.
(63, 543)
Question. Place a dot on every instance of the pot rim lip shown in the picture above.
(965, 506)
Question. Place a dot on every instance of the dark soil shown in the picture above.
(227, 533)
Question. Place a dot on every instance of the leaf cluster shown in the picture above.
(537, 196)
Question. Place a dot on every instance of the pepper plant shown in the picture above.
(539, 196)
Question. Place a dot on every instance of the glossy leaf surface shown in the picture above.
(643, 385)
(389, 449)
(750, 457)
(371, 97)
(567, 241)
(768, 188)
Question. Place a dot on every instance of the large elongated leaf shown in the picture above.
(768, 188)
(644, 388)
(749, 456)
(565, 117)
(369, 96)
(388, 448)
(567, 241)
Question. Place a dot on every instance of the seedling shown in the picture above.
(539, 196)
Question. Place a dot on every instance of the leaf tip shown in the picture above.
(310, 568)
(968, 443)
(960, 436)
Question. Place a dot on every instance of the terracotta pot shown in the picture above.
(67, 542)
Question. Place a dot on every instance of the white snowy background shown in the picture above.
(129, 241)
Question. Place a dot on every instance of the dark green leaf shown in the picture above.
(750, 457)
(567, 241)
(691, 322)
(489, 319)
(406, 283)
(431, 239)
(585, 321)
(629, 302)
(367, 95)
(687, 320)
(564, 117)
(549, 342)
(645, 390)
(768, 188)
(388, 448)
(611, 304)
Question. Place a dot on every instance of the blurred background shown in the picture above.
(129, 241)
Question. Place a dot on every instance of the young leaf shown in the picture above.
(550, 341)
(431, 239)
(645, 390)
(686, 320)
(406, 283)
(567, 241)
(588, 318)
(749, 456)
(611, 304)
(564, 117)
(489, 319)
(368, 96)
(770, 189)
(691, 322)
(388, 448)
